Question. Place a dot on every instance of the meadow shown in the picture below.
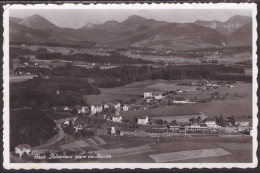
(237, 106)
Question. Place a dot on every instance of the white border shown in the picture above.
(6, 154)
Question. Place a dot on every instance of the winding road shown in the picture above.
(60, 134)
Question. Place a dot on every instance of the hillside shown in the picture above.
(242, 36)
(30, 127)
(228, 27)
(177, 36)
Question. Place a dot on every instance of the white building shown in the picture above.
(117, 106)
(242, 122)
(148, 94)
(211, 122)
(158, 97)
(125, 108)
(113, 130)
(143, 121)
(23, 148)
(179, 91)
(82, 110)
(95, 109)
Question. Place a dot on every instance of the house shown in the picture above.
(117, 106)
(23, 148)
(117, 119)
(179, 91)
(82, 109)
(242, 122)
(78, 127)
(211, 122)
(197, 126)
(66, 109)
(96, 109)
(143, 121)
(158, 97)
(148, 94)
(113, 130)
(182, 101)
(125, 108)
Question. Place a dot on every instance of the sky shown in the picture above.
(78, 18)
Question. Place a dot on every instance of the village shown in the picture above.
(108, 119)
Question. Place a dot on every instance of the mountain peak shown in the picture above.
(133, 19)
(37, 22)
(239, 18)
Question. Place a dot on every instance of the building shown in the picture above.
(182, 101)
(117, 106)
(125, 108)
(82, 110)
(23, 148)
(143, 121)
(96, 109)
(117, 119)
(113, 130)
(242, 122)
(211, 122)
(179, 91)
(158, 96)
(78, 127)
(148, 94)
(197, 126)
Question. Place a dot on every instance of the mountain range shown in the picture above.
(135, 31)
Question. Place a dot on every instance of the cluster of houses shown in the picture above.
(158, 96)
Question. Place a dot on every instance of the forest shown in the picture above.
(30, 126)
(113, 58)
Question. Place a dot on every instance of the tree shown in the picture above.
(192, 120)
(173, 121)
(231, 119)
(159, 121)
(74, 111)
(220, 121)
(198, 119)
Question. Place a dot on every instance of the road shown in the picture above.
(60, 134)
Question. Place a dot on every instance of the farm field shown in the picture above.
(20, 78)
(190, 154)
(222, 149)
(133, 90)
(210, 109)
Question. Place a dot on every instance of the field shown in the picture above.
(133, 90)
(237, 106)
(181, 118)
(189, 154)
(191, 150)
(20, 78)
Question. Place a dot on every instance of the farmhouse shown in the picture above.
(23, 148)
(143, 121)
(148, 94)
(242, 122)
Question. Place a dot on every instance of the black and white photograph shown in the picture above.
(136, 84)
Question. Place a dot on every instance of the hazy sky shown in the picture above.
(78, 18)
